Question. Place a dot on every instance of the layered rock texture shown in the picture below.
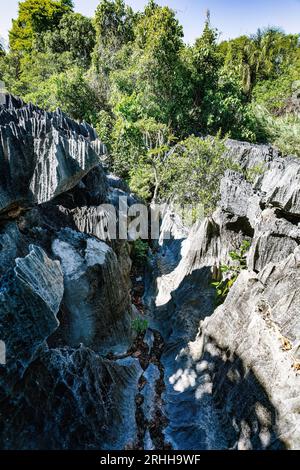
(64, 290)
(232, 372)
(42, 154)
(203, 377)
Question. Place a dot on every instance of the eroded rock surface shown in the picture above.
(30, 296)
(232, 373)
(64, 289)
(202, 377)
(72, 399)
(96, 304)
(42, 154)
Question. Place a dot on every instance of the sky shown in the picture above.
(231, 17)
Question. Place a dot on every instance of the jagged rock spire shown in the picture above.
(42, 154)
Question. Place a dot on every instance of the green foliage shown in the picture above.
(193, 172)
(139, 325)
(35, 17)
(68, 90)
(74, 34)
(231, 272)
(113, 22)
(2, 59)
(151, 75)
(104, 126)
(225, 109)
(139, 252)
(152, 98)
(140, 147)
(2, 51)
(141, 181)
(251, 174)
(260, 57)
(274, 92)
(282, 131)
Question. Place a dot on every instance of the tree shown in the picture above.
(113, 23)
(204, 64)
(11, 71)
(70, 91)
(35, 17)
(195, 167)
(131, 75)
(218, 100)
(240, 56)
(140, 149)
(68, 3)
(157, 140)
(206, 60)
(75, 34)
(2, 50)
(153, 74)
(158, 66)
(2, 57)
(260, 57)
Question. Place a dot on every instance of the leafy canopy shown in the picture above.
(36, 17)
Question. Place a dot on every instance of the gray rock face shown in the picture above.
(231, 373)
(90, 399)
(64, 293)
(183, 296)
(151, 376)
(30, 297)
(96, 305)
(252, 341)
(239, 198)
(42, 154)
(249, 155)
(276, 184)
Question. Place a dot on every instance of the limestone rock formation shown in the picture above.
(203, 376)
(96, 304)
(231, 373)
(64, 290)
(30, 296)
(250, 349)
(41, 154)
(72, 399)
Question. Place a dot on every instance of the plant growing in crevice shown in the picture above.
(231, 272)
(139, 325)
(252, 173)
(139, 252)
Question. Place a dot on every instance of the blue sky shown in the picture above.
(231, 17)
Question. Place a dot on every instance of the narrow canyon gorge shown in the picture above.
(201, 376)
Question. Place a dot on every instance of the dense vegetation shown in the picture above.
(151, 97)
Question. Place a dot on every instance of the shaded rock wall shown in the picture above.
(96, 297)
(72, 399)
(30, 296)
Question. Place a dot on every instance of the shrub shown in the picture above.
(139, 252)
(283, 132)
(195, 168)
(231, 272)
(252, 173)
(139, 325)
